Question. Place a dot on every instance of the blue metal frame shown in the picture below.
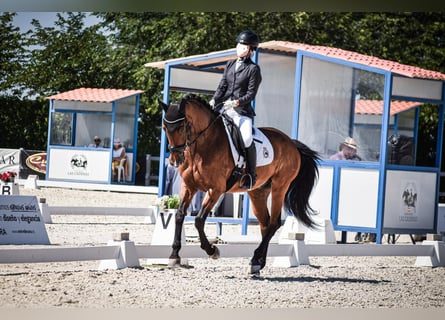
(162, 152)
(51, 105)
(381, 165)
(244, 221)
(112, 134)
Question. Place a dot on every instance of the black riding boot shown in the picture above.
(250, 177)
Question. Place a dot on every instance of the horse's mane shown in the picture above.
(198, 99)
(175, 114)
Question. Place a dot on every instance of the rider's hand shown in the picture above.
(212, 103)
(229, 104)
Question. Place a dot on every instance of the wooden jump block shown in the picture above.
(434, 237)
(121, 236)
(295, 236)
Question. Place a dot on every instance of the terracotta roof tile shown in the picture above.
(293, 47)
(376, 106)
(94, 95)
(395, 67)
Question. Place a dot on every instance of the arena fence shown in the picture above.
(122, 254)
(47, 211)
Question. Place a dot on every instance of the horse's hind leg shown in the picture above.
(268, 224)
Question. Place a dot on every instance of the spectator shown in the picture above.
(97, 143)
(118, 155)
(347, 150)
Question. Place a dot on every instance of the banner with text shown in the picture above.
(9, 160)
(21, 221)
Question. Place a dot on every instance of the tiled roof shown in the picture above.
(395, 67)
(94, 95)
(376, 106)
(219, 57)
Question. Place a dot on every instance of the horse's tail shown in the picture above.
(297, 196)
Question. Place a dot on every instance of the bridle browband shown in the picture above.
(182, 147)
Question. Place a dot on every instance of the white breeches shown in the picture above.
(245, 125)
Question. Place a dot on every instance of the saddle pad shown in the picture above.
(264, 149)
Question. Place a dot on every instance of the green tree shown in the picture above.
(112, 53)
(11, 53)
(22, 121)
(66, 56)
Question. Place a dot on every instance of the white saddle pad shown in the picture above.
(264, 149)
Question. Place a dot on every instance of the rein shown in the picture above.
(181, 148)
(203, 131)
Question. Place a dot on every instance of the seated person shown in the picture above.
(118, 155)
(347, 150)
(97, 143)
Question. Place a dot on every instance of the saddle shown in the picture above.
(263, 148)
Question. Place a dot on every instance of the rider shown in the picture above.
(237, 89)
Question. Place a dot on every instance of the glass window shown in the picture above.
(334, 105)
(124, 125)
(89, 125)
(61, 128)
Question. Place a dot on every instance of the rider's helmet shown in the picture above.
(248, 37)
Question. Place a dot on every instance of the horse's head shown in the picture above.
(183, 123)
(174, 126)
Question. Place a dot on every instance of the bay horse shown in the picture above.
(200, 148)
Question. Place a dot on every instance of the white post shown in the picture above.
(31, 182)
(44, 210)
(438, 257)
(129, 254)
(113, 264)
(291, 234)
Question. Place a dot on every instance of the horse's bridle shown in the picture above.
(180, 149)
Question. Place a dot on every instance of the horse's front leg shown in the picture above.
(208, 202)
(175, 259)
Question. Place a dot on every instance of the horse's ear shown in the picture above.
(163, 105)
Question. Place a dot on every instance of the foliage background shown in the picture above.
(112, 53)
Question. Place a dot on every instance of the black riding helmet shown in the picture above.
(248, 37)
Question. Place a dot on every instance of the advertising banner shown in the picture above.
(9, 160)
(82, 165)
(410, 200)
(32, 162)
(21, 221)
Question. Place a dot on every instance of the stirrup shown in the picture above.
(247, 181)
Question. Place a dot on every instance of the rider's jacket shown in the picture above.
(241, 84)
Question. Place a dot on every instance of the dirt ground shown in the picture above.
(328, 282)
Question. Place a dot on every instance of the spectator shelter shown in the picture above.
(320, 95)
(75, 118)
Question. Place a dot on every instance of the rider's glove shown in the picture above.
(212, 103)
(230, 104)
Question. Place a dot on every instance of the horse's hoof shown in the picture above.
(255, 269)
(172, 263)
(215, 255)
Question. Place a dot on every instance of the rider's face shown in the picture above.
(242, 50)
(349, 152)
